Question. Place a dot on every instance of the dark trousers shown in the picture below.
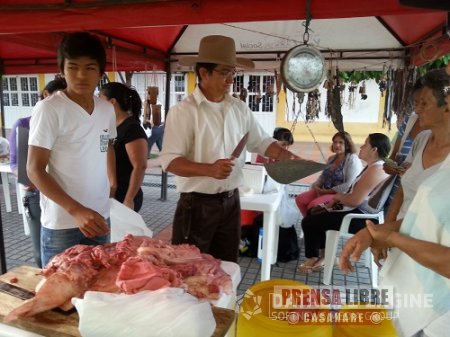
(212, 222)
(32, 211)
(315, 227)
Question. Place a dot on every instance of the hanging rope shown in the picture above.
(114, 59)
(308, 17)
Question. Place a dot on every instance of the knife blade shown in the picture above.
(25, 294)
(238, 149)
(15, 291)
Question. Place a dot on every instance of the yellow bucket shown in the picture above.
(376, 322)
(260, 316)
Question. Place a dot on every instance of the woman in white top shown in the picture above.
(375, 148)
(419, 260)
(343, 167)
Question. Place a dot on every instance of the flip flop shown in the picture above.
(303, 268)
(309, 268)
(319, 264)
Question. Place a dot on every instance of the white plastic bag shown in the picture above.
(288, 211)
(167, 312)
(126, 221)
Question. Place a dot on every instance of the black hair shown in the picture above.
(283, 134)
(348, 141)
(58, 83)
(81, 44)
(439, 82)
(417, 85)
(381, 142)
(127, 98)
(208, 66)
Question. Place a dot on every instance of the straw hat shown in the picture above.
(217, 49)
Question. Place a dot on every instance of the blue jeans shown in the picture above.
(55, 241)
(33, 214)
(156, 138)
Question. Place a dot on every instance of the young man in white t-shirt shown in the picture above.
(71, 159)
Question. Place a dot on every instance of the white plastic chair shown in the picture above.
(377, 199)
(332, 241)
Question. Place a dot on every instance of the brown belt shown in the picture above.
(221, 195)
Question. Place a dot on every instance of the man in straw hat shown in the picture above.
(201, 133)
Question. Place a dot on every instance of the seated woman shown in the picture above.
(343, 167)
(375, 148)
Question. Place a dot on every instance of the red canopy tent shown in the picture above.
(144, 34)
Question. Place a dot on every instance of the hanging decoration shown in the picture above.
(382, 84)
(388, 100)
(152, 110)
(278, 85)
(352, 95)
(313, 105)
(269, 86)
(336, 104)
(362, 91)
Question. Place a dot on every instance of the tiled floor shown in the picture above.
(158, 216)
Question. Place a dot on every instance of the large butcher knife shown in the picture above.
(241, 145)
(15, 291)
(288, 171)
(25, 294)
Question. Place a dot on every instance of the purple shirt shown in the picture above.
(24, 122)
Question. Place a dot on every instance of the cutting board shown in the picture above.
(55, 324)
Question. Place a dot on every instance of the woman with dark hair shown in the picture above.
(59, 83)
(343, 167)
(130, 146)
(355, 200)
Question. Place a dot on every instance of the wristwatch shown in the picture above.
(303, 68)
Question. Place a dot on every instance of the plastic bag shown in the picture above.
(288, 211)
(168, 312)
(126, 221)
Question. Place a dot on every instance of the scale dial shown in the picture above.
(303, 68)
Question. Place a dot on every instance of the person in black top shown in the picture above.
(130, 146)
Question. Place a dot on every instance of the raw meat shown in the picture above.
(134, 264)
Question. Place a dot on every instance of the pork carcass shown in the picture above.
(134, 264)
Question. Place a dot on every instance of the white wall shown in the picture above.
(364, 111)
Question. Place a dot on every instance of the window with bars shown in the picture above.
(260, 92)
(27, 91)
(179, 84)
(238, 84)
(178, 92)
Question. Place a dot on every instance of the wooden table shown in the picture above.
(58, 325)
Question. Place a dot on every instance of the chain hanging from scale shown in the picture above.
(301, 95)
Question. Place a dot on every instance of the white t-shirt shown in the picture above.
(203, 132)
(78, 144)
(416, 173)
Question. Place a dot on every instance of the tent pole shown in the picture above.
(166, 105)
(2, 241)
(2, 107)
(2, 244)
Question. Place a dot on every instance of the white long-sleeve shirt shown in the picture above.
(203, 132)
